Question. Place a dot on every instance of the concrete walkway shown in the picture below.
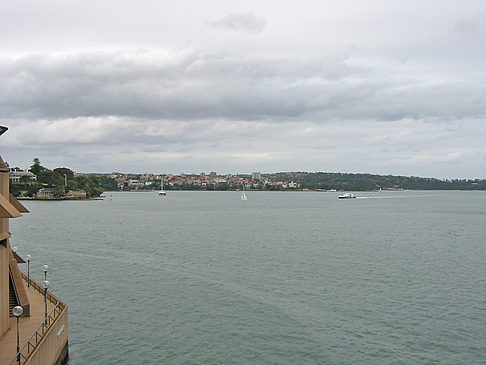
(28, 325)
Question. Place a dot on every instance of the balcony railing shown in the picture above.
(32, 343)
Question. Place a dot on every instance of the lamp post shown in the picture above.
(46, 285)
(17, 312)
(28, 258)
(45, 268)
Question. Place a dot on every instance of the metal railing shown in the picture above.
(32, 343)
(51, 297)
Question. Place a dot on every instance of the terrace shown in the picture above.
(41, 339)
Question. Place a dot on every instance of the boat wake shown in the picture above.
(393, 196)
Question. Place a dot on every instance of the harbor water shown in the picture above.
(282, 278)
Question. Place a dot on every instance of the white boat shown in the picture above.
(243, 195)
(347, 196)
(162, 192)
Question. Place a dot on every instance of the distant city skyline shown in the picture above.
(353, 86)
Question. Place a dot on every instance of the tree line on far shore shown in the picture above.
(370, 182)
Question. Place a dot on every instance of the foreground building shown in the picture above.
(33, 322)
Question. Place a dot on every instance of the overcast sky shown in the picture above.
(386, 87)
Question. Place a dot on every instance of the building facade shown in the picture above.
(42, 334)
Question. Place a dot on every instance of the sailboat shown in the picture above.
(162, 192)
(243, 195)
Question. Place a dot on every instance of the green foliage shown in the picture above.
(58, 192)
(15, 189)
(223, 186)
(105, 182)
(29, 188)
(50, 178)
(64, 171)
(57, 178)
(88, 185)
(366, 182)
(36, 167)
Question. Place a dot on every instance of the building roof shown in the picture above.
(13, 200)
(3, 166)
(7, 210)
(18, 258)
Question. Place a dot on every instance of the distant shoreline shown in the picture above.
(287, 191)
(254, 190)
(59, 199)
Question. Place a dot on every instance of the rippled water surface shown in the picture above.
(283, 278)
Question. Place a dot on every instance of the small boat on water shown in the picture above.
(243, 195)
(162, 192)
(347, 196)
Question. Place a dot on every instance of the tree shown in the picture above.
(51, 178)
(108, 183)
(65, 171)
(36, 168)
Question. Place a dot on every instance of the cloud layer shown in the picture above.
(243, 22)
(189, 85)
(380, 91)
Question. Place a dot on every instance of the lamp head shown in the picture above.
(45, 267)
(46, 284)
(17, 311)
(28, 257)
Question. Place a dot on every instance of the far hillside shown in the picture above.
(367, 182)
(62, 182)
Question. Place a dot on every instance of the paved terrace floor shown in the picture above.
(28, 325)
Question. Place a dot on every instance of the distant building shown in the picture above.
(135, 183)
(256, 176)
(76, 194)
(146, 176)
(16, 175)
(45, 193)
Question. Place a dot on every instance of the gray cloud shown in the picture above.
(341, 87)
(242, 22)
(187, 86)
(412, 147)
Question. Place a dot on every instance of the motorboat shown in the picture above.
(347, 196)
